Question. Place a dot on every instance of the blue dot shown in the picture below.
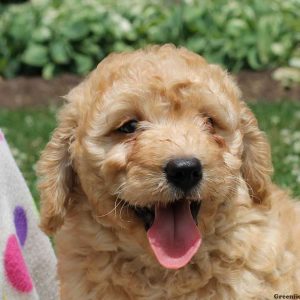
(20, 220)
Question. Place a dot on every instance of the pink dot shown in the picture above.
(15, 266)
(1, 136)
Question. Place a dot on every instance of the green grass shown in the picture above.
(281, 122)
(28, 130)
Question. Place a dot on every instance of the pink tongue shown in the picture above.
(174, 236)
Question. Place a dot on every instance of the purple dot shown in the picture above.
(20, 220)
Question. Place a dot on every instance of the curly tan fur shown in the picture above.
(250, 227)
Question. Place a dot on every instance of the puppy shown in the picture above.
(157, 185)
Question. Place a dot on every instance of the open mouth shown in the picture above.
(172, 231)
(147, 214)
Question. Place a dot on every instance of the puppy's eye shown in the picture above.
(210, 122)
(128, 127)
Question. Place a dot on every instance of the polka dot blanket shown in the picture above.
(28, 263)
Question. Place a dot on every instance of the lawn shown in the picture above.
(28, 130)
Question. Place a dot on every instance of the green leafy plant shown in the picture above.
(48, 37)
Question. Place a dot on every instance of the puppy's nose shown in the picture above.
(184, 173)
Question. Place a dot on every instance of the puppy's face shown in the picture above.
(156, 135)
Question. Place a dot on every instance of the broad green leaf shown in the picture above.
(35, 55)
(278, 49)
(252, 59)
(21, 24)
(191, 14)
(295, 62)
(249, 14)
(263, 39)
(3, 64)
(90, 47)
(60, 52)
(12, 68)
(98, 29)
(236, 27)
(48, 71)
(196, 44)
(41, 34)
(75, 30)
(121, 46)
(83, 63)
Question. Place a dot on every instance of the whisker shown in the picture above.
(122, 207)
(114, 209)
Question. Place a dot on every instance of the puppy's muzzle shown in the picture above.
(184, 173)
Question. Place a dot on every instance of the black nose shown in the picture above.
(184, 173)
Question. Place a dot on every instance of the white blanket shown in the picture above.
(28, 263)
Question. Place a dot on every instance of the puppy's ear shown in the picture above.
(56, 174)
(256, 157)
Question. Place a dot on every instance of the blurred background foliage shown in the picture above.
(49, 37)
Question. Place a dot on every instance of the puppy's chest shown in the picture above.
(139, 277)
(107, 266)
(147, 284)
(119, 274)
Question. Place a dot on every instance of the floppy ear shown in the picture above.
(256, 157)
(56, 173)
